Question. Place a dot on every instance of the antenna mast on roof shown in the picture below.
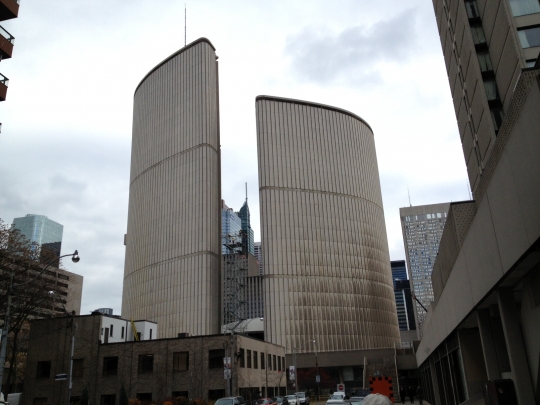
(185, 24)
(246, 191)
(408, 192)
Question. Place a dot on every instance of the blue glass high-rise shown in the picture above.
(41, 231)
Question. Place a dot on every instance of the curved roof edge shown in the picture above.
(202, 39)
(312, 104)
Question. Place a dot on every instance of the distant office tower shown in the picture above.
(485, 46)
(399, 270)
(231, 229)
(172, 269)
(42, 231)
(402, 293)
(422, 228)
(257, 248)
(247, 232)
(404, 305)
(242, 284)
(326, 263)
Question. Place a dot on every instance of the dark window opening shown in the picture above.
(43, 369)
(180, 394)
(78, 368)
(108, 399)
(110, 365)
(144, 397)
(39, 401)
(262, 361)
(215, 394)
(122, 334)
(215, 358)
(248, 359)
(146, 364)
(241, 358)
(529, 37)
(180, 361)
(472, 9)
(111, 331)
(255, 359)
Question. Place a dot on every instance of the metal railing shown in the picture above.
(4, 80)
(7, 35)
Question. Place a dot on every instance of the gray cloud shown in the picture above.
(351, 56)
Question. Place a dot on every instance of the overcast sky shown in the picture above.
(66, 124)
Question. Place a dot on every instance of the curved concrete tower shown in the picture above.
(327, 270)
(172, 268)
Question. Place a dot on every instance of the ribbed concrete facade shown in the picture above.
(327, 269)
(486, 44)
(172, 268)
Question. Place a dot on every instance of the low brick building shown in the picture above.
(150, 369)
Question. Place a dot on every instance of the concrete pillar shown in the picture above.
(434, 381)
(515, 346)
(488, 344)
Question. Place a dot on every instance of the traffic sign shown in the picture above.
(60, 377)
(341, 387)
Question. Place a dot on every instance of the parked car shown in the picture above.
(265, 401)
(281, 400)
(336, 398)
(303, 399)
(231, 401)
(293, 400)
(356, 400)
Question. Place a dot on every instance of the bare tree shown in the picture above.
(20, 264)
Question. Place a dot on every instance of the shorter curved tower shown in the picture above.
(326, 263)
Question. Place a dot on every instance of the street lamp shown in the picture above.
(295, 350)
(73, 329)
(5, 330)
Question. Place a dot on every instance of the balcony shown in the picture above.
(9, 9)
(6, 44)
(3, 87)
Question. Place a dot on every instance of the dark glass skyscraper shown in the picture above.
(247, 232)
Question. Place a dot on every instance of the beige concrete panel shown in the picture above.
(488, 18)
(509, 95)
(481, 252)
(485, 135)
(523, 148)
(507, 219)
(327, 274)
(461, 287)
(173, 246)
(468, 143)
(499, 38)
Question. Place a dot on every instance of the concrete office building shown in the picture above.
(422, 227)
(42, 231)
(326, 263)
(485, 319)
(150, 369)
(257, 251)
(172, 267)
(486, 44)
